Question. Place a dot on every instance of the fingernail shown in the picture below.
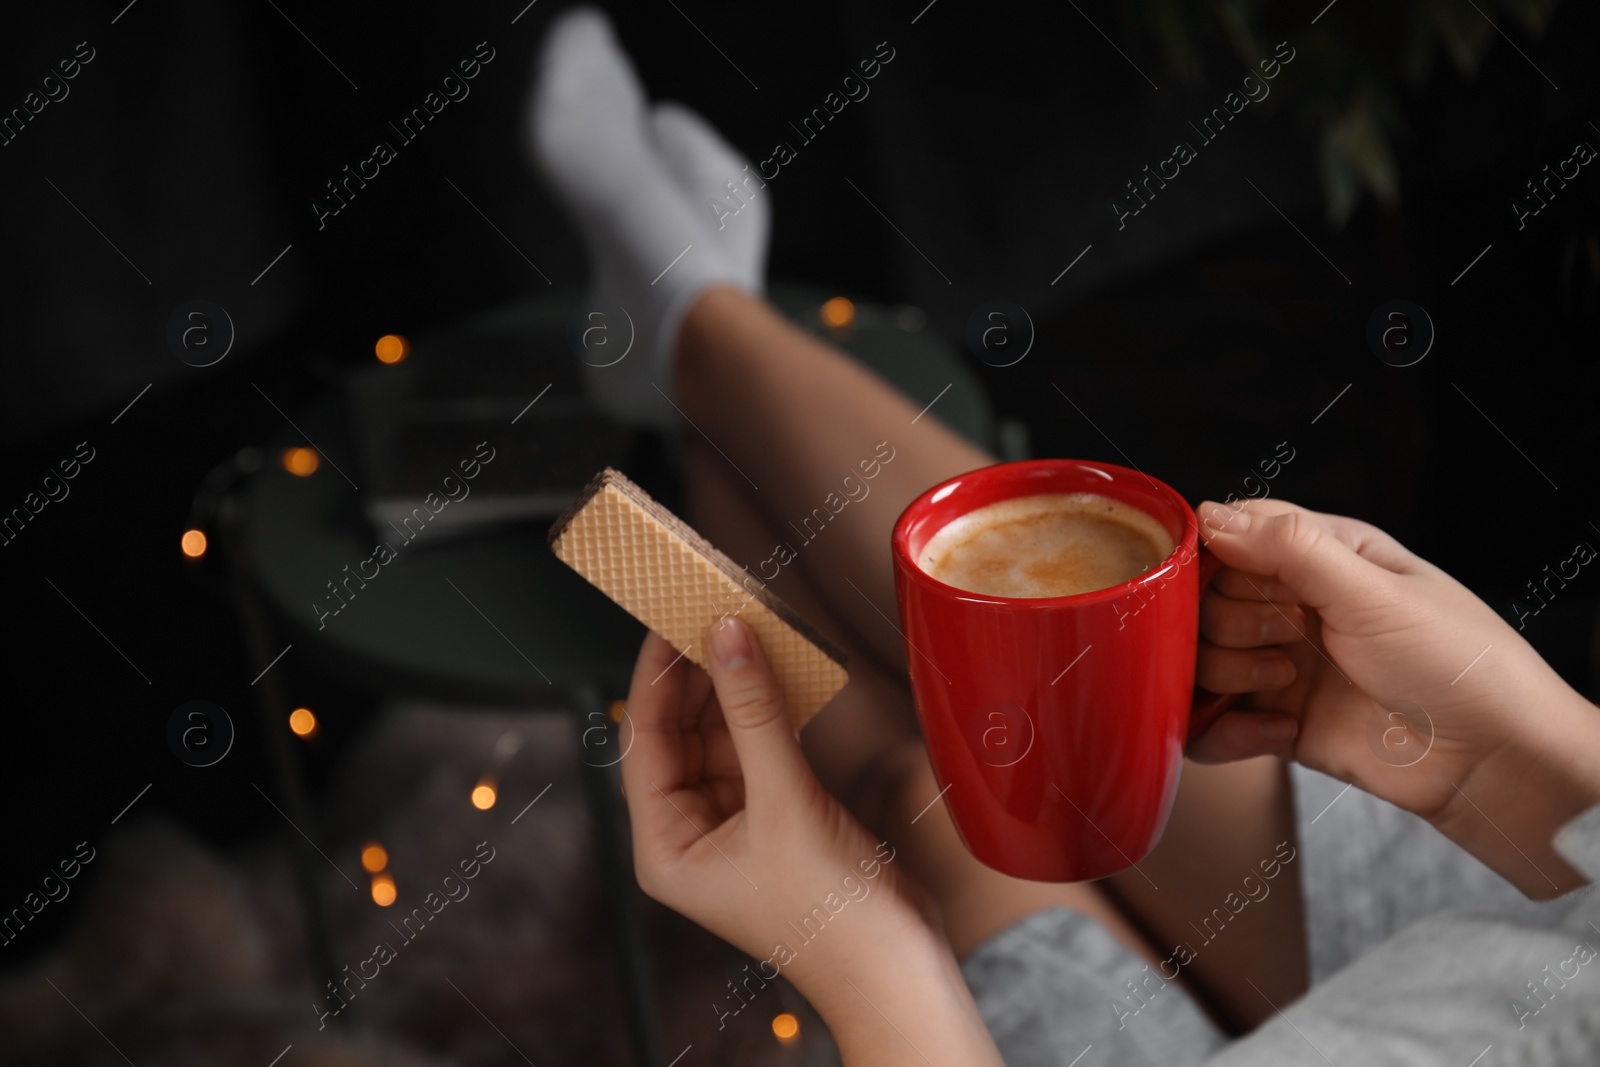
(1278, 729)
(1223, 518)
(1273, 673)
(730, 644)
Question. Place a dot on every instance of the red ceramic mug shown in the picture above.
(1056, 725)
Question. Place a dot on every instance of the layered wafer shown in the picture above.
(677, 583)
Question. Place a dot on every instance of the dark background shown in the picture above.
(1196, 339)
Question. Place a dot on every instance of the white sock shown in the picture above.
(652, 248)
(726, 192)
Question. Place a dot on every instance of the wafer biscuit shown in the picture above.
(677, 583)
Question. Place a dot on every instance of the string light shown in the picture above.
(301, 462)
(786, 1028)
(374, 858)
(837, 313)
(193, 544)
(483, 795)
(302, 722)
(391, 348)
(383, 891)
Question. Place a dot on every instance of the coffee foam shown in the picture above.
(1048, 544)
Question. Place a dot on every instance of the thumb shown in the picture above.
(754, 709)
(1302, 552)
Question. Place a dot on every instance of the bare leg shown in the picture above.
(1227, 821)
(791, 415)
(796, 416)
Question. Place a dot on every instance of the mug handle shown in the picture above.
(1207, 705)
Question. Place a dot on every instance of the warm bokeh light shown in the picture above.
(302, 722)
(618, 708)
(301, 462)
(786, 1028)
(391, 348)
(483, 796)
(194, 544)
(383, 891)
(374, 858)
(836, 315)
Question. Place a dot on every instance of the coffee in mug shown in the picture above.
(1056, 729)
(1049, 544)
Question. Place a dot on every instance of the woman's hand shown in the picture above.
(1368, 663)
(732, 829)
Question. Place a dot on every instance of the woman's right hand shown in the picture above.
(732, 829)
(1379, 669)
